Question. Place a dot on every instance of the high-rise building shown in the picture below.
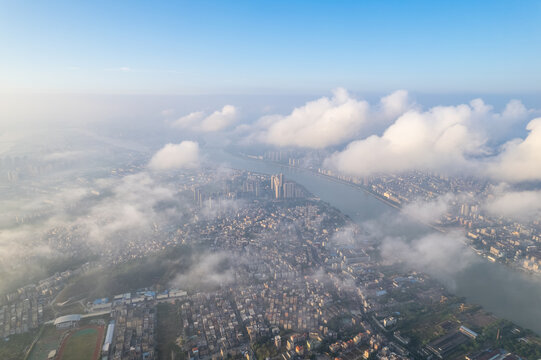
(284, 189)
(277, 182)
(289, 190)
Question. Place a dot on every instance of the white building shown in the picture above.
(67, 321)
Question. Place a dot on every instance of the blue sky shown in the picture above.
(203, 47)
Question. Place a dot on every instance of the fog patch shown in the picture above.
(209, 269)
(428, 211)
(442, 255)
(514, 204)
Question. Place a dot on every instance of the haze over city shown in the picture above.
(270, 180)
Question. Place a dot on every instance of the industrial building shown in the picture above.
(108, 338)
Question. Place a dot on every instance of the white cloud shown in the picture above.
(317, 124)
(500, 127)
(217, 121)
(515, 109)
(326, 121)
(440, 138)
(176, 156)
(396, 135)
(520, 159)
(395, 104)
(452, 139)
(190, 121)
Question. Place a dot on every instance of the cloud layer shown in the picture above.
(328, 121)
(518, 205)
(439, 138)
(128, 211)
(428, 211)
(450, 139)
(395, 135)
(207, 270)
(439, 254)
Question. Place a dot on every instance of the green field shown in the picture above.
(168, 331)
(81, 345)
(15, 347)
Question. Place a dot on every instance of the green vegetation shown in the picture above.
(343, 325)
(81, 345)
(169, 329)
(16, 346)
(265, 349)
(158, 269)
(522, 342)
(49, 339)
(420, 322)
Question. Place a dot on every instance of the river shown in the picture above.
(507, 293)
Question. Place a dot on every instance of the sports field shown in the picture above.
(83, 344)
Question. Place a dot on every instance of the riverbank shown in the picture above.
(350, 184)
